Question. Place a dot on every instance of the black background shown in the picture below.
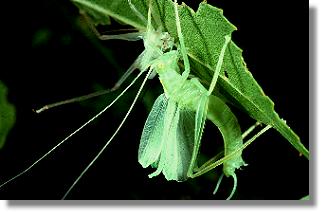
(64, 62)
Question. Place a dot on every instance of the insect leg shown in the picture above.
(218, 65)
(182, 43)
(132, 36)
(204, 169)
(117, 85)
(250, 129)
(200, 118)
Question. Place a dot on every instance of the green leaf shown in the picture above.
(7, 115)
(204, 32)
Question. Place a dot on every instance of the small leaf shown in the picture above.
(7, 115)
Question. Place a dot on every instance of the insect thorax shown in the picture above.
(187, 93)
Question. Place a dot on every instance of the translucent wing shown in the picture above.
(151, 141)
(177, 151)
(167, 141)
(168, 160)
(186, 134)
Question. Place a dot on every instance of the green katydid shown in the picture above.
(158, 56)
(172, 134)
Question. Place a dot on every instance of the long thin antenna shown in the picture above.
(69, 136)
(112, 137)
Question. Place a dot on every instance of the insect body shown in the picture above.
(173, 130)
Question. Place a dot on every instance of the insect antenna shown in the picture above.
(69, 136)
(111, 138)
